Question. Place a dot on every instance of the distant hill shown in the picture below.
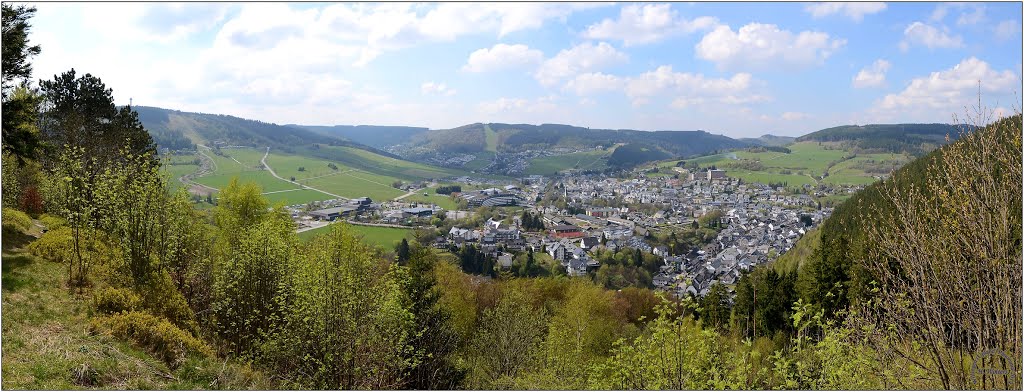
(173, 127)
(371, 135)
(910, 138)
(769, 140)
(508, 138)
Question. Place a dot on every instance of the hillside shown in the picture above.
(371, 135)
(483, 140)
(835, 257)
(914, 139)
(769, 140)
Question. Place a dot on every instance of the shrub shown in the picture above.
(18, 219)
(156, 335)
(112, 300)
(52, 221)
(54, 245)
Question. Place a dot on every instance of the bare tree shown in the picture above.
(947, 261)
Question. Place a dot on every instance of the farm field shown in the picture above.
(384, 237)
(379, 164)
(301, 196)
(804, 165)
(443, 201)
(580, 160)
(356, 184)
(262, 178)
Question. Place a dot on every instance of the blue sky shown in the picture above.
(739, 69)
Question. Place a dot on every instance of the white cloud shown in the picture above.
(765, 45)
(580, 58)
(1007, 29)
(501, 57)
(646, 24)
(920, 34)
(431, 88)
(545, 109)
(854, 11)
(873, 76)
(687, 89)
(948, 91)
(794, 116)
(977, 15)
(589, 83)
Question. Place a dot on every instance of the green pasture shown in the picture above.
(384, 237)
(589, 160)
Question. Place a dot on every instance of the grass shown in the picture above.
(378, 164)
(483, 158)
(443, 201)
(301, 196)
(262, 178)
(807, 160)
(384, 237)
(47, 345)
(356, 184)
(491, 138)
(580, 160)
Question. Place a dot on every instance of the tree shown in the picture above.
(507, 340)
(16, 48)
(403, 252)
(20, 105)
(715, 308)
(434, 341)
(947, 258)
(80, 111)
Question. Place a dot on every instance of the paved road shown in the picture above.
(271, 170)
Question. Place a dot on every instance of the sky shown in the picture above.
(738, 69)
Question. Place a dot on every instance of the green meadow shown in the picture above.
(384, 237)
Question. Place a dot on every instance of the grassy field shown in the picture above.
(262, 178)
(301, 196)
(806, 163)
(581, 160)
(443, 201)
(356, 184)
(384, 237)
(482, 160)
(491, 138)
(379, 164)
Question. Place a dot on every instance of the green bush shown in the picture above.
(55, 245)
(111, 300)
(17, 219)
(156, 335)
(162, 298)
(52, 221)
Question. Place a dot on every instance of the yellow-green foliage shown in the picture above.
(59, 246)
(17, 219)
(161, 297)
(111, 300)
(52, 221)
(156, 335)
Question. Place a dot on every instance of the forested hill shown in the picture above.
(955, 211)
(175, 129)
(376, 136)
(769, 140)
(911, 138)
(517, 137)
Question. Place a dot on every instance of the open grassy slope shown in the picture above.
(805, 164)
(589, 160)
